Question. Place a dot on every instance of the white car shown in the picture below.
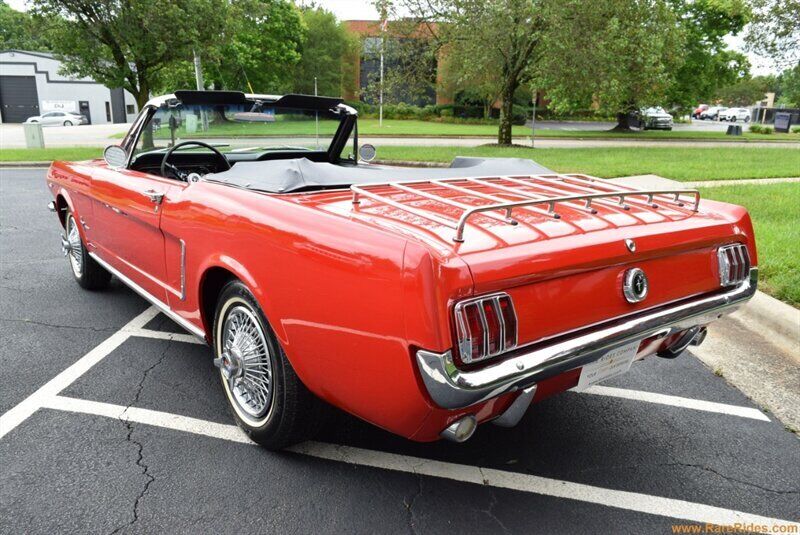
(713, 113)
(57, 118)
(656, 118)
(735, 114)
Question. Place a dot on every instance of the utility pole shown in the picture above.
(198, 78)
(533, 115)
(384, 24)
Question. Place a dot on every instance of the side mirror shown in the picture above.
(367, 152)
(115, 156)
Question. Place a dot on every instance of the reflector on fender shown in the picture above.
(485, 327)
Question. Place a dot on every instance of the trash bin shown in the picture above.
(734, 130)
(33, 135)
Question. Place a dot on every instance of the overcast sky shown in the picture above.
(360, 9)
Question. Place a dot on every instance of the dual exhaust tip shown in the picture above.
(462, 429)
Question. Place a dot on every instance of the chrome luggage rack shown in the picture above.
(625, 196)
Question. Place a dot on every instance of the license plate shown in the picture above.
(615, 362)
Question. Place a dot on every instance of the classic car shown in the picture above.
(656, 118)
(426, 301)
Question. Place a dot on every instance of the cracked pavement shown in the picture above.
(63, 472)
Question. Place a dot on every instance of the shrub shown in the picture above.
(796, 130)
(756, 128)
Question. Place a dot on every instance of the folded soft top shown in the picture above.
(286, 176)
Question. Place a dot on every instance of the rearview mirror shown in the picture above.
(115, 156)
(367, 152)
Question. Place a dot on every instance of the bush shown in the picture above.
(796, 130)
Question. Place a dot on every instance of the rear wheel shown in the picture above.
(67, 123)
(89, 274)
(267, 399)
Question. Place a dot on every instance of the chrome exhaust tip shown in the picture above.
(460, 430)
(699, 337)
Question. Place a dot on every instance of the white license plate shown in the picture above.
(615, 362)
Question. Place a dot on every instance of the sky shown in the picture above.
(365, 10)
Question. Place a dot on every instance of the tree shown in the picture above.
(789, 87)
(616, 57)
(128, 44)
(707, 63)
(774, 31)
(324, 54)
(746, 91)
(256, 51)
(501, 37)
(19, 31)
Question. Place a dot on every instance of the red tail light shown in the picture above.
(485, 327)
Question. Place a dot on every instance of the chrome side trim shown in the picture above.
(183, 271)
(452, 388)
(160, 305)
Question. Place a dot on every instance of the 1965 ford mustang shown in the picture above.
(424, 301)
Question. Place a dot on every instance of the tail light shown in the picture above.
(734, 264)
(485, 327)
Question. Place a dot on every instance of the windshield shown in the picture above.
(239, 128)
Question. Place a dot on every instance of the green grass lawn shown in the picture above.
(775, 210)
(400, 127)
(678, 163)
(46, 155)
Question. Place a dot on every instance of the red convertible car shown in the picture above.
(424, 301)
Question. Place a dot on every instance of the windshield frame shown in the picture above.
(347, 122)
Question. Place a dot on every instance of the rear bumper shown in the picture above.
(452, 388)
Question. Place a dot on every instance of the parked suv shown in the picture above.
(712, 113)
(656, 118)
(735, 114)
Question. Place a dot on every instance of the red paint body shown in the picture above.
(352, 291)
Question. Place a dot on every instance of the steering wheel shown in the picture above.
(180, 174)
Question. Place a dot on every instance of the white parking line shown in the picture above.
(161, 335)
(22, 411)
(676, 401)
(631, 501)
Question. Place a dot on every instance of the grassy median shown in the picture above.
(775, 210)
(677, 163)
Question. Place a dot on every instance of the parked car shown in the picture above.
(656, 118)
(698, 110)
(712, 113)
(57, 118)
(735, 114)
(425, 301)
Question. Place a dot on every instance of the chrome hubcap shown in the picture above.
(72, 247)
(245, 362)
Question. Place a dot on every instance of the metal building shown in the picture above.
(30, 84)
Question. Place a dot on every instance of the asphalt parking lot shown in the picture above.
(112, 421)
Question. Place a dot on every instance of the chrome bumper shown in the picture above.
(452, 388)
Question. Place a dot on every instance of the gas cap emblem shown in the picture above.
(635, 285)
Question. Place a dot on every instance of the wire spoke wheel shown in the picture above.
(245, 362)
(73, 247)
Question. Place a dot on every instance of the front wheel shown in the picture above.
(267, 399)
(88, 274)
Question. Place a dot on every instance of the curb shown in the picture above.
(773, 320)
(12, 165)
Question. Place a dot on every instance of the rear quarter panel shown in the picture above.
(335, 293)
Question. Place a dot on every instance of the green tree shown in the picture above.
(20, 31)
(500, 37)
(707, 63)
(128, 44)
(774, 31)
(257, 48)
(746, 91)
(616, 57)
(789, 87)
(325, 54)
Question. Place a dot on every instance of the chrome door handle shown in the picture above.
(153, 195)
